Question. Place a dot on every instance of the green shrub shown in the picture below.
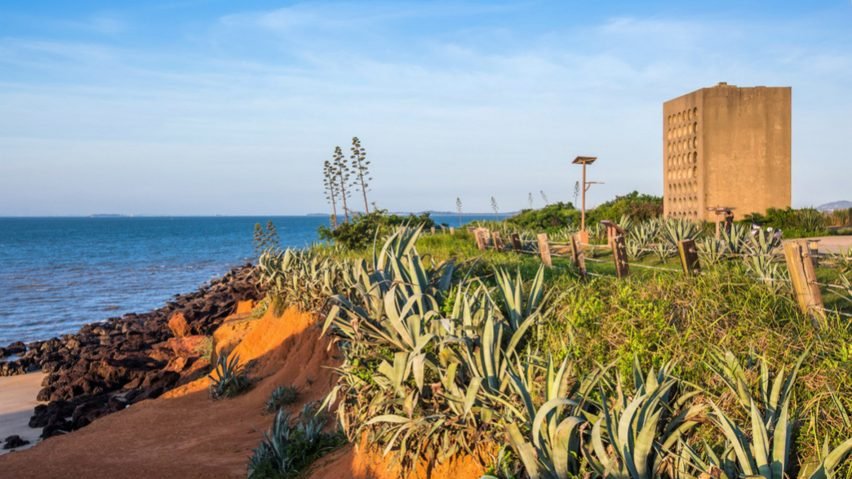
(636, 206)
(794, 223)
(289, 448)
(360, 232)
(551, 217)
(280, 397)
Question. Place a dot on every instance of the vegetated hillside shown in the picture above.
(638, 208)
(835, 205)
(452, 352)
(554, 216)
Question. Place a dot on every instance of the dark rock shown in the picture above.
(17, 347)
(108, 365)
(14, 441)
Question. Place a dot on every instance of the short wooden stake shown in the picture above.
(452, 230)
(497, 240)
(577, 256)
(516, 242)
(619, 256)
(803, 277)
(582, 239)
(544, 250)
(688, 257)
(479, 236)
(432, 230)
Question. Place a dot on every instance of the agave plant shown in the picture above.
(303, 278)
(711, 250)
(767, 451)
(635, 249)
(516, 306)
(490, 360)
(761, 243)
(642, 432)
(229, 379)
(280, 397)
(674, 231)
(663, 251)
(287, 448)
(736, 239)
(553, 448)
(640, 238)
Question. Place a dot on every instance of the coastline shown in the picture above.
(64, 383)
(17, 402)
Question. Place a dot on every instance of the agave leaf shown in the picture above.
(832, 460)
(542, 415)
(470, 395)
(565, 445)
(781, 442)
(525, 451)
(760, 440)
(733, 434)
(389, 418)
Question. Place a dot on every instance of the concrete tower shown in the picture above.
(726, 147)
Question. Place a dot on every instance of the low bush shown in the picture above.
(549, 218)
(280, 397)
(229, 379)
(794, 223)
(636, 206)
(361, 230)
(291, 445)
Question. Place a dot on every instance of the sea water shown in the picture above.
(57, 274)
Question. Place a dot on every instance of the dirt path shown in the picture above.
(188, 436)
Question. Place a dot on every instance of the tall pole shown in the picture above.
(583, 161)
(583, 208)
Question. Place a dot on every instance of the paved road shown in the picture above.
(834, 244)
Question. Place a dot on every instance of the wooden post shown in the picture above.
(497, 240)
(480, 238)
(577, 256)
(688, 257)
(619, 256)
(452, 230)
(544, 250)
(582, 239)
(803, 277)
(516, 242)
(432, 230)
(813, 249)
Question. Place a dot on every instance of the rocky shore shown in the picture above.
(106, 366)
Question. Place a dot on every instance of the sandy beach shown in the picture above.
(17, 400)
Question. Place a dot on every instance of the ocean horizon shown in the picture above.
(58, 273)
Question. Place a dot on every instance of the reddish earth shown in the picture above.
(188, 435)
(185, 434)
(361, 463)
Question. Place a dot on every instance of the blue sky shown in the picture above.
(225, 107)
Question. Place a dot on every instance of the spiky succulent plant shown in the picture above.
(229, 379)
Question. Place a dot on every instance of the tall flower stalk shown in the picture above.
(361, 168)
(341, 178)
(330, 184)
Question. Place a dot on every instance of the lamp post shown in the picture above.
(585, 160)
